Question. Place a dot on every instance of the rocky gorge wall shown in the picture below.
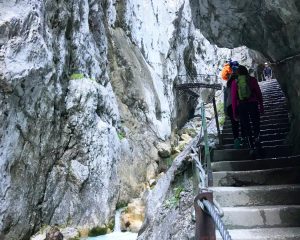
(269, 27)
(87, 95)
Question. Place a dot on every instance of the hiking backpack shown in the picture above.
(244, 91)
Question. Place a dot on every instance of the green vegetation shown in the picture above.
(75, 238)
(170, 159)
(76, 76)
(174, 200)
(111, 224)
(190, 131)
(121, 205)
(220, 107)
(97, 231)
(121, 135)
(221, 114)
(221, 120)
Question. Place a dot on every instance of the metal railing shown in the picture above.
(208, 211)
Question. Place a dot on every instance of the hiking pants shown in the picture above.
(248, 111)
(234, 124)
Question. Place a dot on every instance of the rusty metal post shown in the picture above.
(205, 227)
(217, 121)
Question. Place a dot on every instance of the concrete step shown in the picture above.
(269, 127)
(278, 98)
(270, 92)
(270, 114)
(262, 216)
(265, 137)
(258, 164)
(264, 122)
(272, 106)
(275, 176)
(264, 234)
(257, 195)
(274, 116)
(265, 117)
(278, 101)
(276, 111)
(263, 143)
(263, 132)
(244, 154)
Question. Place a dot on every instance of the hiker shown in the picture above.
(247, 104)
(229, 75)
(267, 72)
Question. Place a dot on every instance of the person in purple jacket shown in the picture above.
(248, 109)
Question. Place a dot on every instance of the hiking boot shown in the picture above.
(257, 143)
(259, 149)
(237, 143)
(245, 143)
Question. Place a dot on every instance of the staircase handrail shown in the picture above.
(203, 203)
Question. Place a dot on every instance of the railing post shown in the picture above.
(206, 148)
(205, 227)
(217, 121)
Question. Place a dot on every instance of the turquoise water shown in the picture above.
(115, 236)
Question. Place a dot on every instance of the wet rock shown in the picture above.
(54, 234)
(164, 150)
(133, 219)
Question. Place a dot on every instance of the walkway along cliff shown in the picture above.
(260, 197)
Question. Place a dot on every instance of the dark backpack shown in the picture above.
(244, 91)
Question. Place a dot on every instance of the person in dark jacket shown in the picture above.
(267, 72)
(248, 109)
(235, 125)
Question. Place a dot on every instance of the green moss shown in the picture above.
(192, 132)
(222, 121)
(76, 76)
(220, 107)
(121, 205)
(170, 159)
(121, 135)
(97, 231)
(75, 238)
(111, 224)
(174, 200)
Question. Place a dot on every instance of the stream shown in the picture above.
(116, 234)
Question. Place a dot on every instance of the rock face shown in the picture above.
(59, 144)
(269, 27)
(86, 93)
